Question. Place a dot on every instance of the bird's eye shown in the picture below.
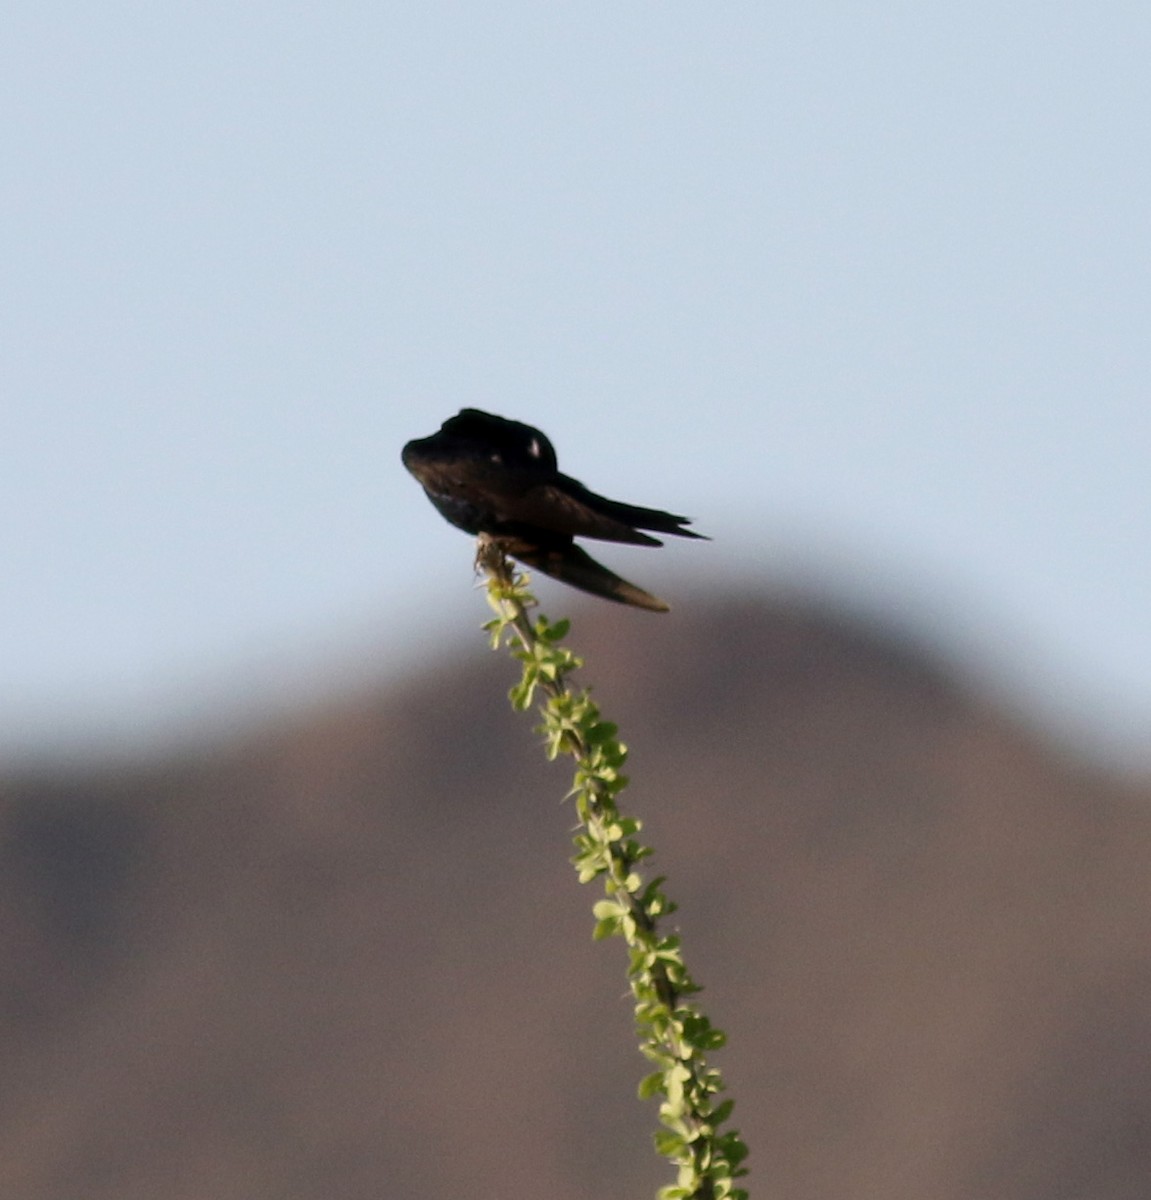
(534, 448)
(496, 458)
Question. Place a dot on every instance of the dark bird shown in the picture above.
(488, 475)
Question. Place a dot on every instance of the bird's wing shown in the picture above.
(572, 565)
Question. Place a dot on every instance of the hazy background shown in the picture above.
(862, 288)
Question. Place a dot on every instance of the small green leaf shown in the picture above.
(722, 1112)
(669, 1144)
(651, 1085)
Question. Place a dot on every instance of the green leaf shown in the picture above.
(669, 1144)
(722, 1112)
(733, 1149)
(651, 1085)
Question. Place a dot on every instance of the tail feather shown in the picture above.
(654, 519)
(634, 515)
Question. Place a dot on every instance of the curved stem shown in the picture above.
(674, 1032)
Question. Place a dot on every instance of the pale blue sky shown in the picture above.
(863, 288)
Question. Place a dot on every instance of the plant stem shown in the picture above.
(674, 1033)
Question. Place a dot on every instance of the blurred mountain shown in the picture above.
(347, 956)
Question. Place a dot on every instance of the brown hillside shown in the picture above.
(347, 957)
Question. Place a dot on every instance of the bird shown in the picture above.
(498, 478)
